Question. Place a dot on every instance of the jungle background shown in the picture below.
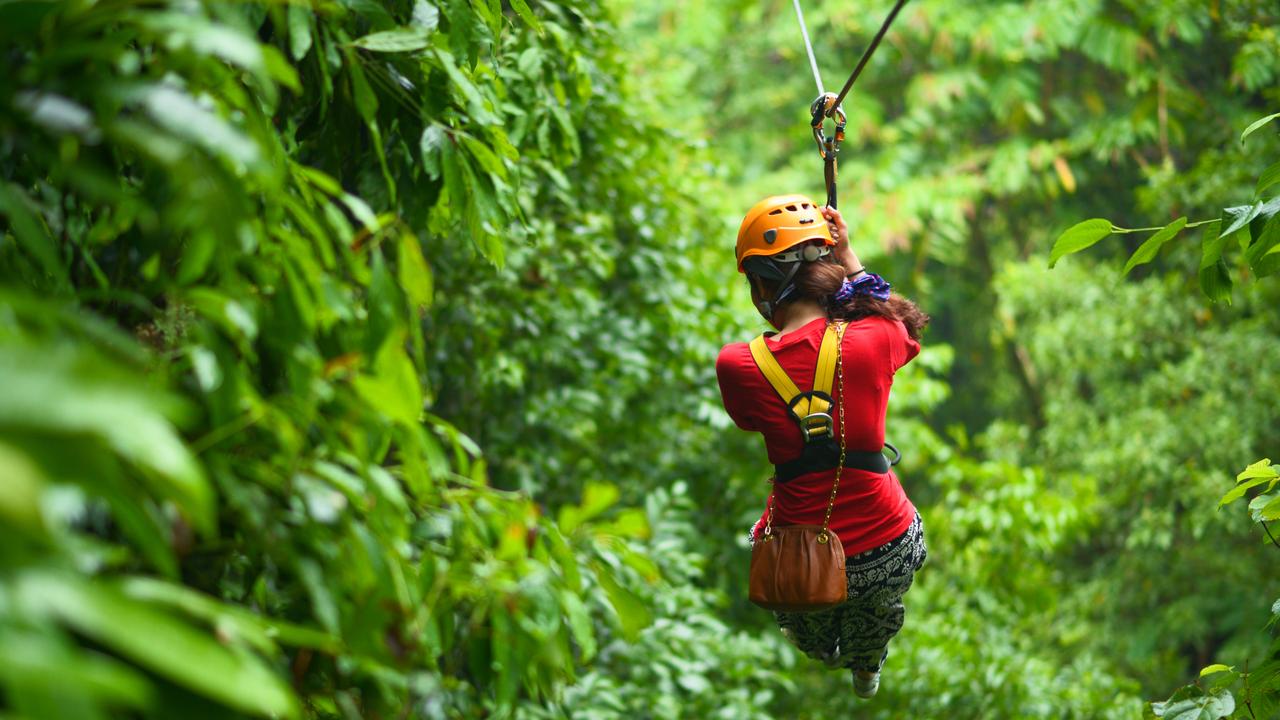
(356, 356)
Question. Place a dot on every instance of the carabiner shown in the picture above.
(822, 108)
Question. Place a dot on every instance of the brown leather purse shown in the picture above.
(800, 568)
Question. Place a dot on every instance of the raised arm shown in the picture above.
(843, 251)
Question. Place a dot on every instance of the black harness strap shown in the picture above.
(825, 455)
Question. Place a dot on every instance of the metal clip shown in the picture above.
(897, 455)
(827, 425)
(822, 108)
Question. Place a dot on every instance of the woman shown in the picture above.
(803, 275)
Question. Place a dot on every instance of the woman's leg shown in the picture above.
(875, 613)
(814, 633)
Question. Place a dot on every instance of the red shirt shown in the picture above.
(871, 509)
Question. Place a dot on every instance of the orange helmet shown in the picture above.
(777, 224)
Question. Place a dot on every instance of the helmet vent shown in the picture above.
(776, 212)
(792, 208)
(770, 235)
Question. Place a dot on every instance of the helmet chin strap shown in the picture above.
(768, 308)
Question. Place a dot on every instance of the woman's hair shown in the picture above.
(819, 281)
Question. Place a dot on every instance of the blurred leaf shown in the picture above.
(46, 664)
(487, 159)
(300, 39)
(596, 498)
(185, 30)
(365, 99)
(393, 386)
(178, 113)
(430, 146)
(425, 15)
(1257, 124)
(522, 9)
(631, 523)
(579, 621)
(162, 644)
(59, 114)
(413, 273)
(65, 393)
(474, 102)
(633, 615)
(31, 232)
(399, 40)
(233, 622)
(20, 491)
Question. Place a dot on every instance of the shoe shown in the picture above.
(865, 687)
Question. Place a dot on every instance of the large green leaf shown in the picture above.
(66, 393)
(232, 621)
(1079, 237)
(1241, 216)
(1267, 180)
(160, 643)
(1147, 251)
(1262, 255)
(392, 387)
(1215, 279)
(1193, 703)
(48, 677)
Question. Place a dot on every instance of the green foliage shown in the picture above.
(1192, 702)
(1259, 250)
(358, 356)
(238, 240)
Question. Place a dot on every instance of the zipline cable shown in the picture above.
(875, 43)
(828, 105)
(813, 62)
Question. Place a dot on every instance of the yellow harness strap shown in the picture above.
(813, 411)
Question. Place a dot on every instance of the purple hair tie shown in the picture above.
(869, 284)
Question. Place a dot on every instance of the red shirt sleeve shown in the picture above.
(902, 349)
(732, 364)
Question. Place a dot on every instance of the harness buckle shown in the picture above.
(809, 428)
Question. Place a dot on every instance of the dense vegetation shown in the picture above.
(356, 357)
